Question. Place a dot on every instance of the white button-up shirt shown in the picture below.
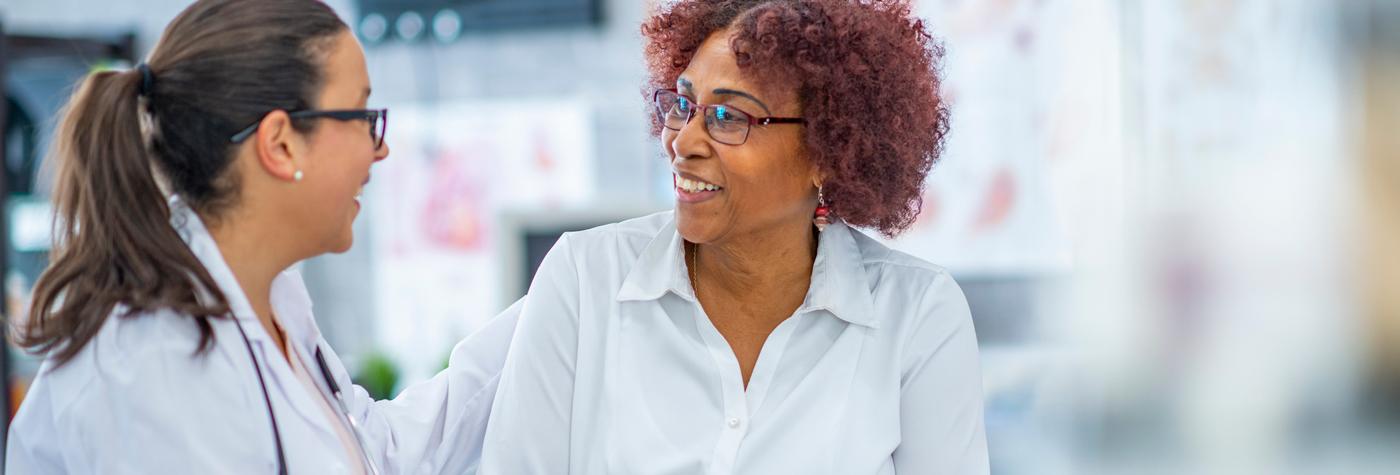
(616, 369)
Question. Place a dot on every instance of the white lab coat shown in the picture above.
(137, 399)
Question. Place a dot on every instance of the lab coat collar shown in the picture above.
(839, 284)
(290, 300)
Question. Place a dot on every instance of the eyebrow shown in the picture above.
(686, 84)
(731, 92)
(368, 91)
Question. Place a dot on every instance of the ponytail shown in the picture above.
(114, 243)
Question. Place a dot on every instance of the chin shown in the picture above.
(345, 243)
(345, 238)
(342, 243)
(692, 229)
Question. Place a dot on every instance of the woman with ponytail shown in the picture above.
(177, 337)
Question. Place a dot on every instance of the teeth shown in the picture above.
(694, 186)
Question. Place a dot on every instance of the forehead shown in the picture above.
(714, 62)
(715, 66)
(345, 72)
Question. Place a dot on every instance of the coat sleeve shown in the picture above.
(436, 426)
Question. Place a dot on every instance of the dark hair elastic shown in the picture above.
(147, 80)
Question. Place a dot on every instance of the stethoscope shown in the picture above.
(335, 392)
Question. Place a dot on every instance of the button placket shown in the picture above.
(736, 408)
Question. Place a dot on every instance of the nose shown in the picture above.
(382, 153)
(692, 141)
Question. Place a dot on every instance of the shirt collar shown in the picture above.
(839, 284)
(290, 299)
(660, 268)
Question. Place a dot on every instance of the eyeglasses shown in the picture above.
(726, 124)
(378, 120)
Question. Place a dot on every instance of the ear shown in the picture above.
(278, 145)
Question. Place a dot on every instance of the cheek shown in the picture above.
(771, 176)
(750, 180)
(339, 174)
(347, 154)
(347, 140)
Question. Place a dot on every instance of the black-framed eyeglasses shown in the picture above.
(378, 120)
(726, 124)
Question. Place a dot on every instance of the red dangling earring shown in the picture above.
(822, 216)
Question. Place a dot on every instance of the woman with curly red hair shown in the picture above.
(752, 330)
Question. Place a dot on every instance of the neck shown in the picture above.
(249, 249)
(776, 262)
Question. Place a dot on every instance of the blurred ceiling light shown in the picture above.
(447, 25)
(409, 25)
(373, 27)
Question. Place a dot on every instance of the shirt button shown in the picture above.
(733, 423)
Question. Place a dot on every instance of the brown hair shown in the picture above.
(220, 66)
(866, 72)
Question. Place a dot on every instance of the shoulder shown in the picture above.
(877, 256)
(892, 270)
(924, 303)
(140, 381)
(611, 248)
(585, 269)
(134, 354)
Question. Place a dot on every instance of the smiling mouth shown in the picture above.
(695, 186)
(361, 191)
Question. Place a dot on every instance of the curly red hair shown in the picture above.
(867, 77)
